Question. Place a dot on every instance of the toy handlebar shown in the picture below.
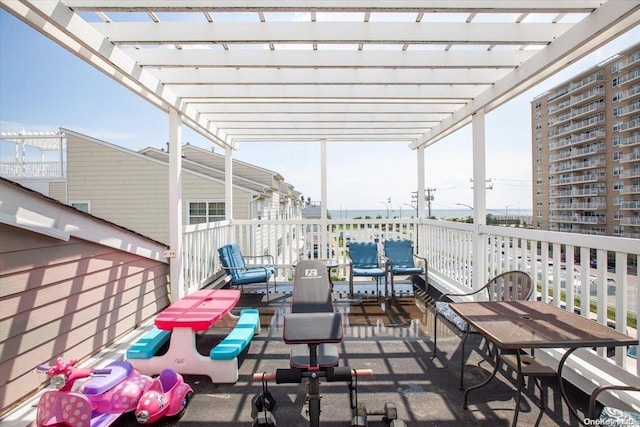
(47, 368)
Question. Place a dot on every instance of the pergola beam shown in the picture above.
(388, 6)
(613, 18)
(460, 92)
(412, 59)
(371, 118)
(428, 110)
(256, 76)
(68, 29)
(140, 33)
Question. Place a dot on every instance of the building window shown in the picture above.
(618, 185)
(205, 211)
(617, 171)
(615, 67)
(81, 205)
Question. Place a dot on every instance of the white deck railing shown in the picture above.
(602, 283)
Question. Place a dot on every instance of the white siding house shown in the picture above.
(131, 188)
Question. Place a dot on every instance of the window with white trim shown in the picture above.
(81, 205)
(203, 211)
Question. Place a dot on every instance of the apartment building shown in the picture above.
(586, 151)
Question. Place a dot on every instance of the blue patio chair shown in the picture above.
(364, 261)
(633, 351)
(241, 273)
(400, 261)
(509, 286)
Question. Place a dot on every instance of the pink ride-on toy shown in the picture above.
(109, 393)
(167, 396)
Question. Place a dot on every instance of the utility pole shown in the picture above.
(428, 197)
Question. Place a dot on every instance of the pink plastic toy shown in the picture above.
(109, 393)
(168, 396)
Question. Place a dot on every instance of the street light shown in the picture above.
(506, 210)
(411, 206)
(386, 205)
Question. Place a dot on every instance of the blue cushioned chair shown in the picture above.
(400, 260)
(509, 286)
(234, 263)
(365, 262)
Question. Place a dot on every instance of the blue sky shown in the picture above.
(44, 87)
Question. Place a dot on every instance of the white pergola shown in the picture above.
(327, 70)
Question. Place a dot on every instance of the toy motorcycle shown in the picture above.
(106, 395)
(167, 396)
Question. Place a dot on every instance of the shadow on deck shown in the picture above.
(393, 339)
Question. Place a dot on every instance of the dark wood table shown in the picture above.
(520, 325)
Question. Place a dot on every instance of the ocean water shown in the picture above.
(407, 212)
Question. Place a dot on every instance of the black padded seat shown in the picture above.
(327, 356)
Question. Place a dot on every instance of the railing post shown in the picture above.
(175, 206)
(479, 200)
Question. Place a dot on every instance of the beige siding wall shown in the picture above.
(196, 188)
(58, 191)
(132, 190)
(66, 299)
(122, 187)
(239, 168)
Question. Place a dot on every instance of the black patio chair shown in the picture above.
(509, 286)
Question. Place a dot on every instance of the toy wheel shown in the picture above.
(183, 407)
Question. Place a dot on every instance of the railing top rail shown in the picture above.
(205, 226)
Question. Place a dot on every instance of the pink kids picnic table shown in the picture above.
(194, 313)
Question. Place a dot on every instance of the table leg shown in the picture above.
(563, 392)
(329, 276)
(483, 383)
(520, 383)
(183, 357)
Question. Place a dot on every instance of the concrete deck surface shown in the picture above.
(394, 340)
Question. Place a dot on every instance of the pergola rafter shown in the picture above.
(328, 69)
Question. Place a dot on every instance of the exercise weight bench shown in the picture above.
(313, 329)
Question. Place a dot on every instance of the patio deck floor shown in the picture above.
(394, 340)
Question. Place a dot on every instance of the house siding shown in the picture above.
(196, 188)
(240, 169)
(69, 299)
(132, 189)
(58, 190)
